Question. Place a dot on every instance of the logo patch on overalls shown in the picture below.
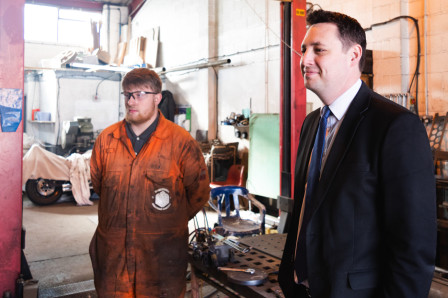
(161, 199)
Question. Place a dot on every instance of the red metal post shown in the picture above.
(285, 188)
(293, 94)
(298, 91)
(11, 77)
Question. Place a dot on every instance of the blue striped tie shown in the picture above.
(313, 179)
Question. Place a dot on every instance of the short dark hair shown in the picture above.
(350, 31)
(142, 77)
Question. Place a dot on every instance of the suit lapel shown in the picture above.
(308, 134)
(342, 142)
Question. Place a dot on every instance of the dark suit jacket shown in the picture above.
(373, 228)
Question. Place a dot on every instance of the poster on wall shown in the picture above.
(10, 109)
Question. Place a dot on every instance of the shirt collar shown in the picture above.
(341, 104)
(145, 134)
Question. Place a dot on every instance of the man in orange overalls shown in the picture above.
(151, 178)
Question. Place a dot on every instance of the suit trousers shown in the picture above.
(300, 291)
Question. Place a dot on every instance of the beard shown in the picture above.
(139, 117)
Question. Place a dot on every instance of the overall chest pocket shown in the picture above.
(161, 192)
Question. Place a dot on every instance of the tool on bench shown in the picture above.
(232, 243)
(247, 270)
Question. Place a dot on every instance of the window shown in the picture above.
(57, 25)
(41, 23)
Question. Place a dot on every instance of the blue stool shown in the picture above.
(233, 224)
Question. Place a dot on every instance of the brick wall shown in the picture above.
(394, 46)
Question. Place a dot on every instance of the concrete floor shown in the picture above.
(56, 248)
(57, 241)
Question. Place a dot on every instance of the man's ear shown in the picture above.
(157, 98)
(356, 54)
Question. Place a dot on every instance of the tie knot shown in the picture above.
(326, 112)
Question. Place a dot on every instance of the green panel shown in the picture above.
(264, 155)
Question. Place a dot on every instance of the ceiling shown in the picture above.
(96, 5)
(117, 2)
(133, 5)
(82, 3)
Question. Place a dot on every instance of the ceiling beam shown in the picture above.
(82, 4)
(135, 6)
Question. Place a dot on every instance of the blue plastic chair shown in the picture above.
(231, 222)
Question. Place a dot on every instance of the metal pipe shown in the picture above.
(236, 246)
(194, 66)
(231, 243)
(95, 67)
(441, 270)
(266, 58)
(108, 28)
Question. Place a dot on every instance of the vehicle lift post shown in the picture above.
(293, 101)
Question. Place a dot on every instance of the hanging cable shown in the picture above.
(97, 86)
(273, 32)
(417, 66)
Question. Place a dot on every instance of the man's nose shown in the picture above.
(131, 96)
(306, 58)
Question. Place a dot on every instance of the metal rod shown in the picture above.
(232, 244)
(247, 270)
(193, 66)
(95, 67)
(236, 246)
(441, 270)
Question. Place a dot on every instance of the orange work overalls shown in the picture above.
(140, 246)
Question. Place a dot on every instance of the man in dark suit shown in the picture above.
(370, 222)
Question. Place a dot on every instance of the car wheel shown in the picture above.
(43, 191)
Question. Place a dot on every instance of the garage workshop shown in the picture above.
(223, 148)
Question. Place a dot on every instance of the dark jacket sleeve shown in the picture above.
(409, 208)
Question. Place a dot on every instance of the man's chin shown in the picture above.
(308, 84)
(136, 120)
(132, 120)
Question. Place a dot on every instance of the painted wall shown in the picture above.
(183, 39)
(247, 32)
(68, 94)
(11, 77)
(200, 30)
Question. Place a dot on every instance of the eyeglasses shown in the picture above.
(136, 95)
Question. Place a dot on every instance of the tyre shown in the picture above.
(43, 191)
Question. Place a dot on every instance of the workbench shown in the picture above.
(265, 254)
(442, 222)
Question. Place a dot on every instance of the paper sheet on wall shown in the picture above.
(10, 109)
